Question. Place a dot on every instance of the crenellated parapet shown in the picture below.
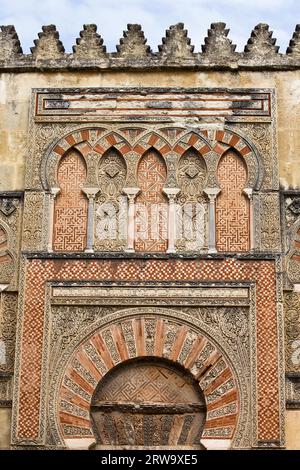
(10, 46)
(176, 44)
(217, 42)
(294, 46)
(261, 43)
(90, 44)
(48, 46)
(133, 44)
(176, 51)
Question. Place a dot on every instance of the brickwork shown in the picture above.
(70, 215)
(232, 206)
(151, 213)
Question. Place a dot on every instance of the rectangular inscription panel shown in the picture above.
(146, 295)
(147, 104)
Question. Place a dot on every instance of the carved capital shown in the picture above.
(248, 192)
(211, 193)
(131, 193)
(171, 193)
(90, 192)
(54, 191)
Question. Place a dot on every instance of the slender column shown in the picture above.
(249, 193)
(53, 193)
(90, 193)
(172, 194)
(212, 194)
(131, 194)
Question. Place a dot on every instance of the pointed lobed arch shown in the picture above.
(152, 140)
(232, 205)
(86, 140)
(151, 220)
(70, 210)
(111, 172)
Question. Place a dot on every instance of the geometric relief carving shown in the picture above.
(8, 319)
(292, 331)
(110, 204)
(192, 206)
(292, 236)
(149, 403)
(270, 221)
(32, 234)
(232, 206)
(6, 260)
(70, 213)
(151, 204)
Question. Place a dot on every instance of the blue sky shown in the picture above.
(155, 16)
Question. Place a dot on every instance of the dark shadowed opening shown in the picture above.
(148, 402)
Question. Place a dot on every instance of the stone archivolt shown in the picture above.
(156, 338)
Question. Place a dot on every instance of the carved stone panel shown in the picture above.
(292, 331)
(291, 240)
(293, 391)
(8, 320)
(191, 217)
(270, 232)
(262, 135)
(110, 203)
(10, 222)
(34, 209)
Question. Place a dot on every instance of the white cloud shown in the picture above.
(112, 16)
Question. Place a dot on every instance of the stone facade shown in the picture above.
(149, 232)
